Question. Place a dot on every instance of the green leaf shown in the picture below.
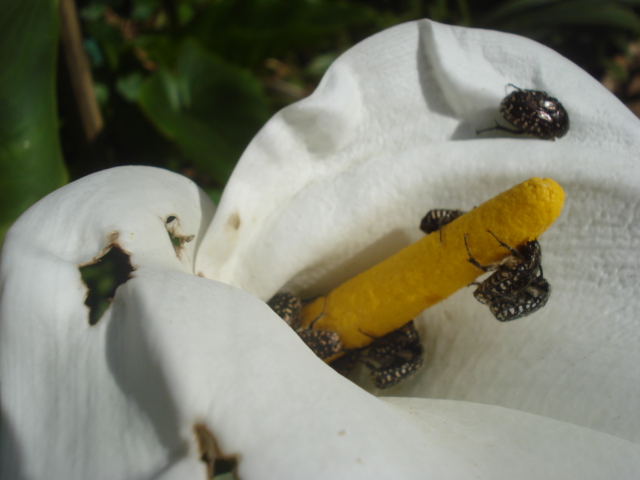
(523, 15)
(248, 31)
(510, 9)
(208, 107)
(129, 85)
(633, 3)
(31, 162)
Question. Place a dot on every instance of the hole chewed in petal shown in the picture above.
(178, 239)
(110, 269)
(218, 465)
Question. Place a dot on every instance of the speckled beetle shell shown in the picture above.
(518, 287)
(535, 113)
(324, 343)
(437, 218)
(394, 357)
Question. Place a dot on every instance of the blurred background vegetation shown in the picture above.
(185, 84)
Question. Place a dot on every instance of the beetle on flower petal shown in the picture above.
(533, 112)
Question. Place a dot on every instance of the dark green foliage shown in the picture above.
(586, 31)
(210, 108)
(30, 159)
(247, 32)
(187, 84)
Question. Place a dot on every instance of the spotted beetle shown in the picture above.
(324, 343)
(518, 287)
(393, 357)
(434, 220)
(533, 112)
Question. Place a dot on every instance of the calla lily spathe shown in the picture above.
(332, 185)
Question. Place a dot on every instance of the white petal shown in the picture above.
(512, 444)
(55, 376)
(127, 205)
(339, 181)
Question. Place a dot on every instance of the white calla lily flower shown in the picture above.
(188, 362)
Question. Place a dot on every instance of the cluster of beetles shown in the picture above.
(515, 289)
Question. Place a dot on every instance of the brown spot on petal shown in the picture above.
(234, 221)
(217, 463)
